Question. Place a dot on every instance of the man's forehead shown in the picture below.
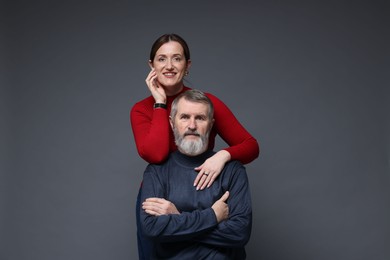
(184, 106)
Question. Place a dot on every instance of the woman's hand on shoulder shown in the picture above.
(210, 169)
(155, 88)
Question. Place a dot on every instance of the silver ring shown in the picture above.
(205, 173)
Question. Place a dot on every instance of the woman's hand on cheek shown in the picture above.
(155, 88)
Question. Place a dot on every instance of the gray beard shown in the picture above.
(191, 147)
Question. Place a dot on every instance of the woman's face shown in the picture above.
(170, 65)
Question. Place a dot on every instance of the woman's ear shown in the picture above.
(150, 64)
(188, 64)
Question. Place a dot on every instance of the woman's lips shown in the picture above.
(169, 74)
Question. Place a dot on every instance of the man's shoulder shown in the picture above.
(235, 163)
(233, 167)
(159, 166)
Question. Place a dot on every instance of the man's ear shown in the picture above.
(171, 122)
(212, 123)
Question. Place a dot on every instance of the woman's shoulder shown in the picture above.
(219, 105)
(211, 96)
(146, 102)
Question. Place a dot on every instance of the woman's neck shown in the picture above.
(171, 91)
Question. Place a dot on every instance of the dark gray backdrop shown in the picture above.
(308, 80)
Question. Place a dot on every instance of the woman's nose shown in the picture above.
(169, 64)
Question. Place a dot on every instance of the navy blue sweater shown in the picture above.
(195, 233)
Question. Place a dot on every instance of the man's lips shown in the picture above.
(193, 134)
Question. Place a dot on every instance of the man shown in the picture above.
(214, 223)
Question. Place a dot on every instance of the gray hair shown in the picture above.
(196, 96)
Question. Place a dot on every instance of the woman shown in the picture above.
(170, 63)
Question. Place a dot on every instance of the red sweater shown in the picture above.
(154, 138)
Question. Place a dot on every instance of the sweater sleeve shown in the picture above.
(242, 145)
(236, 230)
(172, 227)
(151, 131)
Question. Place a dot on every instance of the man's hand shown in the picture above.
(159, 206)
(221, 209)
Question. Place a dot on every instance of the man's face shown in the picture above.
(191, 127)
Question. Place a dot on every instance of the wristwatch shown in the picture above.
(160, 105)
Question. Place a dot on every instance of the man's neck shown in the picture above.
(193, 160)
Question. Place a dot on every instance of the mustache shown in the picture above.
(191, 133)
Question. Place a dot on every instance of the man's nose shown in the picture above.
(192, 124)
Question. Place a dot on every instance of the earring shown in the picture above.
(186, 73)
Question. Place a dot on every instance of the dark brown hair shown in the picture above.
(167, 38)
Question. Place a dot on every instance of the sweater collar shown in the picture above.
(192, 161)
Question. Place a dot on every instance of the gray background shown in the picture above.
(308, 79)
